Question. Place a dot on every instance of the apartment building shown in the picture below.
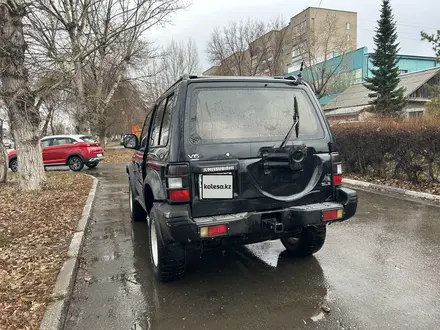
(310, 36)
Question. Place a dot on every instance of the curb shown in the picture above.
(56, 311)
(399, 191)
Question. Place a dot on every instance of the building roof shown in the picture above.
(346, 111)
(322, 8)
(406, 56)
(357, 95)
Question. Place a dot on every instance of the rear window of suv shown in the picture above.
(249, 114)
(88, 139)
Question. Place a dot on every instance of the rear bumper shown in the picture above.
(93, 159)
(178, 226)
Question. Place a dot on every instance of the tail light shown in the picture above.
(213, 231)
(89, 144)
(181, 195)
(332, 215)
(337, 170)
(178, 183)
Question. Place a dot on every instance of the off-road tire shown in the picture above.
(137, 213)
(75, 163)
(311, 241)
(171, 258)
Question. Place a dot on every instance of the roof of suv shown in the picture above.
(240, 78)
(73, 136)
(292, 79)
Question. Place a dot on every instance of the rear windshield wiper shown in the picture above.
(294, 125)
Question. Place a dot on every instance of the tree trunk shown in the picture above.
(47, 121)
(30, 161)
(52, 127)
(431, 176)
(19, 99)
(3, 157)
(102, 134)
(3, 164)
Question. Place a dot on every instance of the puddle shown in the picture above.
(268, 252)
(319, 317)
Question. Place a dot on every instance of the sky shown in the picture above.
(202, 16)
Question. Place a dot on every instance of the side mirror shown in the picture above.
(131, 141)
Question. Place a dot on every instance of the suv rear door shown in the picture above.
(233, 130)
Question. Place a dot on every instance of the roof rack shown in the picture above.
(187, 76)
(295, 80)
(183, 77)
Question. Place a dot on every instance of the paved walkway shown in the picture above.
(379, 270)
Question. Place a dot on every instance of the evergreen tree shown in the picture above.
(387, 97)
(435, 41)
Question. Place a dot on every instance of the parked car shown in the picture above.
(122, 139)
(235, 160)
(7, 143)
(74, 151)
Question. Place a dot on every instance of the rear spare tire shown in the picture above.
(167, 260)
(309, 242)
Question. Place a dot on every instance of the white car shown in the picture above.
(7, 143)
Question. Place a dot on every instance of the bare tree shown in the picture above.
(52, 105)
(127, 108)
(96, 44)
(20, 100)
(317, 49)
(3, 155)
(177, 59)
(247, 47)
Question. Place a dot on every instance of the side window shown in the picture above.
(46, 143)
(155, 131)
(62, 141)
(166, 121)
(144, 134)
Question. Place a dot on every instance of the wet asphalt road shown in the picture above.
(379, 270)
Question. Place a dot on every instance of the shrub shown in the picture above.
(388, 149)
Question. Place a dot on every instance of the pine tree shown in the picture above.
(388, 98)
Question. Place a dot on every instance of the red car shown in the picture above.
(74, 151)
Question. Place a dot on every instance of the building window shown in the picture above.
(347, 26)
(415, 114)
(348, 37)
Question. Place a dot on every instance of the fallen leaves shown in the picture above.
(35, 233)
(118, 155)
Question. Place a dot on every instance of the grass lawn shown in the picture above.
(35, 233)
(118, 155)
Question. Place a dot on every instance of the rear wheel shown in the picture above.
(13, 165)
(92, 165)
(168, 260)
(309, 242)
(137, 213)
(75, 163)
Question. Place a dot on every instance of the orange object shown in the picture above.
(136, 129)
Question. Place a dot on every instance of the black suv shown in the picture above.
(235, 160)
